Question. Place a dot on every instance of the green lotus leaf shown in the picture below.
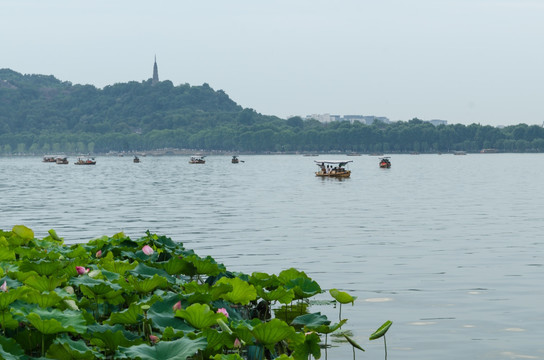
(353, 343)
(53, 235)
(272, 332)
(327, 329)
(291, 274)
(161, 314)
(342, 297)
(149, 284)
(206, 266)
(180, 349)
(233, 357)
(118, 267)
(56, 321)
(7, 254)
(30, 253)
(69, 349)
(77, 252)
(219, 289)
(264, 280)
(23, 232)
(132, 315)
(177, 266)
(199, 316)
(305, 345)
(303, 287)
(10, 349)
(165, 241)
(217, 340)
(281, 294)
(42, 267)
(144, 271)
(111, 337)
(10, 296)
(43, 300)
(381, 330)
(94, 287)
(311, 321)
(242, 292)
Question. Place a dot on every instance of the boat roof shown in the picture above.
(335, 162)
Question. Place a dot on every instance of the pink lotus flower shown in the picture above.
(81, 270)
(177, 306)
(154, 339)
(4, 287)
(237, 343)
(223, 311)
(99, 253)
(147, 250)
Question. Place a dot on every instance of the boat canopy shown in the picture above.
(333, 162)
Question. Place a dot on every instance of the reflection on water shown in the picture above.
(447, 247)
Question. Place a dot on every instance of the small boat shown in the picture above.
(385, 163)
(197, 160)
(235, 159)
(136, 159)
(49, 159)
(80, 161)
(460, 152)
(61, 160)
(333, 168)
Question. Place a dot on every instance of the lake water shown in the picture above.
(449, 248)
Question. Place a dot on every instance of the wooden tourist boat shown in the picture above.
(136, 159)
(197, 160)
(235, 159)
(333, 168)
(61, 160)
(80, 161)
(385, 163)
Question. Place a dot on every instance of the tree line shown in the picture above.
(40, 114)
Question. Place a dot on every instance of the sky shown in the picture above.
(463, 61)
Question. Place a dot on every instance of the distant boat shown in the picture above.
(80, 161)
(235, 159)
(61, 160)
(197, 160)
(136, 159)
(50, 158)
(385, 163)
(333, 168)
(460, 152)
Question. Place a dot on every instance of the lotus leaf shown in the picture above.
(94, 287)
(132, 315)
(6, 254)
(42, 267)
(206, 266)
(353, 343)
(111, 337)
(23, 232)
(217, 340)
(381, 331)
(183, 349)
(144, 271)
(10, 349)
(231, 357)
(53, 235)
(42, 299)
(308, 346)
(342, 297)
(199, 316)
(311, 321)
(177, 266)
(242, 292)
(281, 294)
(272, 332)
(7, 298)
(291, 274)
(77, 252)
(69, 349)
(264, 280)
(56, 321)
(303, 287)
(118, 267)
(149, 284)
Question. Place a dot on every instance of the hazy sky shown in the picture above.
(464, 61)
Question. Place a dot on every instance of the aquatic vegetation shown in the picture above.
(150, 298)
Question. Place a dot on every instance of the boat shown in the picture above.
(80, 161)
(385, 163)
(61, 160)
(333, 168)
(460, 152)
(197, 160)
(235, 159)
(49, 158)
(136, 159)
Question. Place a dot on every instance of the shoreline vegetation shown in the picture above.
(40, 114)
(150, 298)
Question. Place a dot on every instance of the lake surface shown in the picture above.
(449, 248)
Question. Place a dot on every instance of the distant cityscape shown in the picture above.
(363, 119)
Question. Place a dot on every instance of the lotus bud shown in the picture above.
(81, 270)
(177, 306)
(4, 287)
(237, 343)
(154, 339)
(99, 253)
(223, 311)
(147, 250)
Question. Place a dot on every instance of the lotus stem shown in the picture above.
(385, 345)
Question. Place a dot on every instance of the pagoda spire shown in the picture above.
(155, 72)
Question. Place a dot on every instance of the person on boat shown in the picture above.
(323, 168)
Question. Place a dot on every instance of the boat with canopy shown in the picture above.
(333, 168)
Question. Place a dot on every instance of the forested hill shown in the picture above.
(40, 114)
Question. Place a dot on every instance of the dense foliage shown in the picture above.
(40, 114)
(118, 298)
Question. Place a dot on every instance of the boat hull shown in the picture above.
(343, 174)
